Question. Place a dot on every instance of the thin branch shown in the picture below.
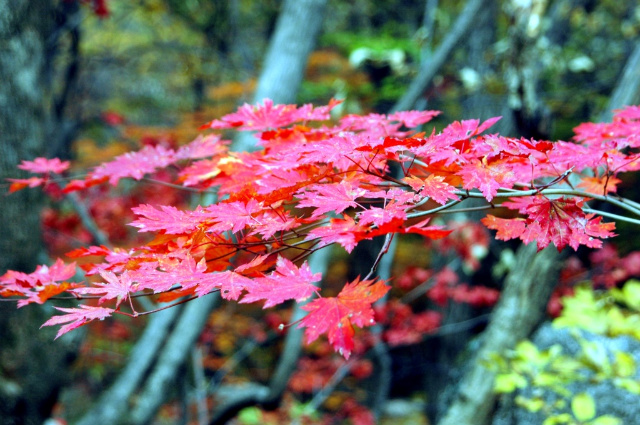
(434, 210)
(322, 395)
(178, 186)
(383, 251)
(87, 221)
(613, 216)
(551, 192)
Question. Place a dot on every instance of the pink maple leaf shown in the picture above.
(334, 197)
(117, 287)
(77, 317)
(379, 216)
(287, 282)
(343, 231)
(233, 216)
(413, 118)
(433, 187)
(202, 147)
(231, 284)
(134, 164)
(167, 219)
(44, 165)
(487, 177)
(268, 115)
(44, 275)
(268, 223)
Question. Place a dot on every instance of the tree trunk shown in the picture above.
(283, 68)
(627, 90)
(32, 366)
(520, 309)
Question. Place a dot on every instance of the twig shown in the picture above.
(613, 216)
(87, 221)
(385, 248)
(322, 395)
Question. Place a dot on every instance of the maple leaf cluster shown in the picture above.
(316, 183)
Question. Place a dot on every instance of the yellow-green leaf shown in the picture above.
(583, 407)
(624, 365)
(507, 383)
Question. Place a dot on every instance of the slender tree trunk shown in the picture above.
(520, 309)
(627, 91)
(283, 68)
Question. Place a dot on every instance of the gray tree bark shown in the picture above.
(627, 91)
(32, 366)
(520, 309)
(283, 68)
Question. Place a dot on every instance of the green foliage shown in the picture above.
(546, 376)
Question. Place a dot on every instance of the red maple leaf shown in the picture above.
(431, 232)
(560, 221)
(77, 317)
(337, 315)
(19, 184)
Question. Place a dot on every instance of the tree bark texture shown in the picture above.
(520, 309)
(32, 366)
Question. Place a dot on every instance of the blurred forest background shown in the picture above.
(88, 80)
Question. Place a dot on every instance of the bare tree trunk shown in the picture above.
(520, 309)
(171, 359)
(627, 91)
(532, 117)
(296, 32)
